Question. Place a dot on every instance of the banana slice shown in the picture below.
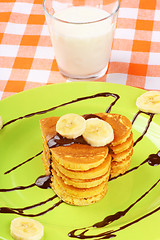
(71, 125)
(98, 132)
(1, 122)
(149, 102)
(26, 229)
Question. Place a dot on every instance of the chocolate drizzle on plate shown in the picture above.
(151, 115)
(152, 160)
(41, 182)
(44, 181)
(107, 234)
(109, 219)
(19, 211)
(19, 165)
(104, 94)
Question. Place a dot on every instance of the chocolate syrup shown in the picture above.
(151, 115)
(17, 188)
(152, 160)
(111, 218)
(58, 140)
(19, 165)
(108, 234)
(104, 94)
(19, 211)
(35, 205)
(41, 182)
(88, 116)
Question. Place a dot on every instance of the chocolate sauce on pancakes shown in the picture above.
(59, 140)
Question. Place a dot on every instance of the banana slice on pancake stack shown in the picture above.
(98, 133)
(71, 125)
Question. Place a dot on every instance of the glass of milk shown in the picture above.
(81, 32)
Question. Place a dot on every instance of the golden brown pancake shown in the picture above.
(46, 163)
(99, 171)
(123, 146)
(82, 183)
(121, 125)
(74, 200)
(118, 168)
(122, 155)
(48, 128)
(78, 192)
(79, 157)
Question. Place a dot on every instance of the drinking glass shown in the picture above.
(81, 32)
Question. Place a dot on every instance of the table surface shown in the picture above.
(27, 56)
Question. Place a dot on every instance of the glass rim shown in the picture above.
(60, 20)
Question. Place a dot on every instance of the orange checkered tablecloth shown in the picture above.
(27, 57)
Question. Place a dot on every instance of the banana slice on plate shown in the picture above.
(26, 229)
(71, 125)
(149, 102)
(98, 133)
(1, 122)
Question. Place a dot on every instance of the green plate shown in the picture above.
(22, 140)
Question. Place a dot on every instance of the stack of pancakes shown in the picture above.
(80, 172)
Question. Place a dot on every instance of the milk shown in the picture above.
(81, 49)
